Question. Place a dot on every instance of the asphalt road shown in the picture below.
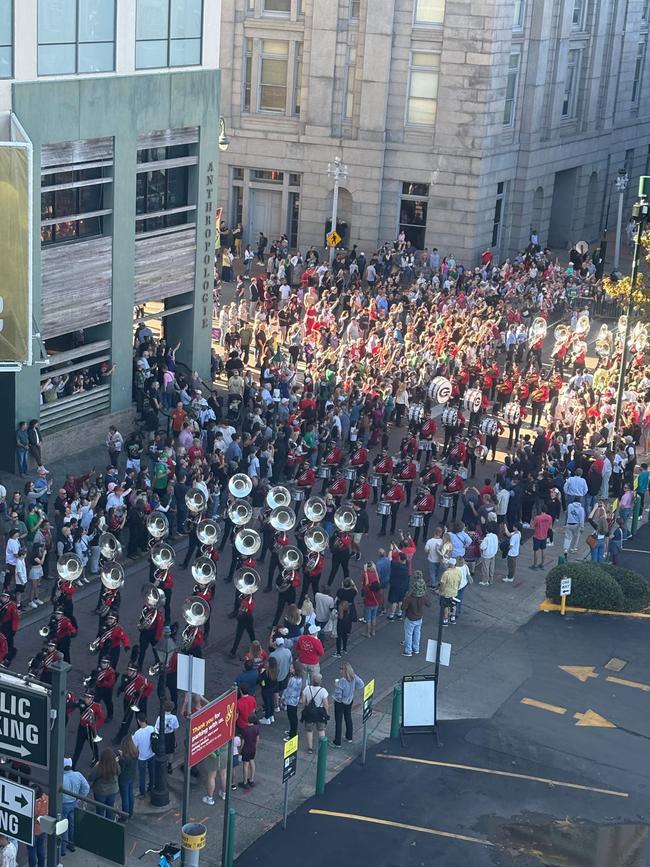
(534, 785)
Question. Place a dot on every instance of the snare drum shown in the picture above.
(350, 473)
(446, 501)
(472, 400)
(383, 508)
(298, 495)
(450, 417)
(375, 480)
(416, 519)
(512, 413)
(324, 472)
(489, 426)
(424, 445)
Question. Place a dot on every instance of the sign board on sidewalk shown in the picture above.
(17, 812)
(419, 702)
(212, 727)
(24, 721)
(368, 694)
(183, 674)
(445, 651)
(290, 759)
(565, 587)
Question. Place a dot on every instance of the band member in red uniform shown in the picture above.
(408, 473)
(102, 680)
(314, 564)
(337, 488)
(192, 641)
(4, 650)
(108, 599)
(360, 459)
(427, 433)
(458, 453)
(111, 639)
(538, 399)
(305, 479)
(91, 719)
(40, 666)
(62, 594)
(432, 478)
(394, 495)
(341, 548)
(137, 689)
(280, 541)
(454, 484)
(71, 705)
(151, 625)
(9, 622)
(164, 580)
(65, 630)
(244, 622)
(286, 584)
(425, 504)
(362, 490)
(383, 466)
(334, 457)
(205, 592)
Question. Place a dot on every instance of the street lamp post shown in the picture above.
(339, 171)
(160, 791)
(621, 186)
(224, 141)
(639, 218)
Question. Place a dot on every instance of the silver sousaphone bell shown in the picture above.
(209, 532)
(114, 578)
(195, 501)
(157, 525)
(240, 513)
(163, 556)
(278, 496)
(315, 509)
(195, 612)
(290, 558)
(247, 581)
(109, 547)
(316, 540)
(204, 571)
(240, 485)
(69, 567)
(345, 519)
(248, 542)
(282, 519)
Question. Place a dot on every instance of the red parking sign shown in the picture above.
(212, 727)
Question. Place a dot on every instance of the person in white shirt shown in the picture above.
(171, 727)
(503, 498)
(513, 551)
(489, 547)
(432, 550)
(142, 740)
(8, 852)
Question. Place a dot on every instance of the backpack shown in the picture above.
(312, 713)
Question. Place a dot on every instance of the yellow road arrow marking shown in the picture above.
(580, 672)
(591, 718)
(633, 683)
(553, 708)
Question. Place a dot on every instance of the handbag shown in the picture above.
(592, 540)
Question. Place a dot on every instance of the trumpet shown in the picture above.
(49, 629)
(283, 519)
(93, 647)
(157, 525)
(240, 485)
(248, 542)
(278, 496)
(240, 513)
(315, 509)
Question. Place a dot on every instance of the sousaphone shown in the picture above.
(345, 519)
(316, 539)
(114, 578)
(247, 581)
(69, 567)
(278, 496)
(240, 485)
(248, 542)
(290, 558)
(157, 525)
(315, 509)
(240, 513)
(204, 571)
(162, 556)
(208, 532)
(195, 501)
(109, 547)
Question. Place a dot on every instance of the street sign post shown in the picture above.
(288, 771)
(368, 695)
(24, 721)
(333, 239)
(432, 650)
(17, 812)
(212, 727)
(565, 590)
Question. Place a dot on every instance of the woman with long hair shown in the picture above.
(104, 781)
(345, 687)
(268, 681)
(128, 759)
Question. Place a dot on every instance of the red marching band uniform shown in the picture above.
(91, 719)
(424, 505)
(362, 492)
(111, 639)
(334, 457)
(360, 457)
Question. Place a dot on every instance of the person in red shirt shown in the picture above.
(309, 650)
(372, 597)
(362, 490)
(195, 452)
(540, 524)
(246, 705)
(394, 495)
(178, 416)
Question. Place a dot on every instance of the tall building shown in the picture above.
(461, 123)
(118, 106)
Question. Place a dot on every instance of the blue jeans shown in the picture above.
(625, 515)
(68, 813)
(36, 853)
(459, 604)
(142, 773)
(412, 629)
(21, 457)
(434, 569)
(109, 800)
(126, 794)
(598, 551)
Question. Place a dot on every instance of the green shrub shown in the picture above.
(591, 587)
(636, 590)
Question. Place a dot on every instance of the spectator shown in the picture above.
(75, 783)
(315, 699)
(103, 778)
(128, 759)
(345, 687)
(142, 740)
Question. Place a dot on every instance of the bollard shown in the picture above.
(561, 559)
(321, 766)
(396, 712)
(230, 851)
(193, 837)
(636, 514)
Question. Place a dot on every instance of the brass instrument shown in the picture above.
(240, 485)
(114, 578)
(92, 727)
(284, 580)
(561, 334)
(312, 561)
(70, 568)
(316, 540)
(109, 547)
(204, 571)
(208, 532)
(315, 509)
(162, 556)
(195, 612)
(290, 558)
(583, 325)
(157, 525)
(195, 501)
(49, 629)
(240, 513)
(248, 542)
(345, 519)
(247, 581)
(278, 496)
(283, 519)
(538, 329)
(153, 598)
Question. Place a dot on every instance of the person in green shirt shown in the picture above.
(33, 521)
(160, 475)
(642, 485)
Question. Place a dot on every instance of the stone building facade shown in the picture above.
(463, 123)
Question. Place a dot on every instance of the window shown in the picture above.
(645, 12)
(578, 14)
(638, 70)
(423, 88)
(237, 204)
(283, 6)
(6, 39)
(429, 12)
(518, 16)
(76, 36)
(273, 176)
(413, 212)
(355, 9)
(498, 214)
(162, 190)
(348, 99)
(248, 72)
(511, 89)
(273, 75)
(571, 83)
(72, 204)
(168, 33)
(294, 219)
(297, 80)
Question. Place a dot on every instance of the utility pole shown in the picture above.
(339, 171)
(621, 186)
(60, 671)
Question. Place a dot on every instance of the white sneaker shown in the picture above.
(266, 722)
(548, 544)
(40, 602)
(208, 800)
(33, 604)
(508, 580)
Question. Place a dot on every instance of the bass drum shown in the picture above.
(472, 400)
(450, 417)
(440, 390)
(489, 426)
(512, 413)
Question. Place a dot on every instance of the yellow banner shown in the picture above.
(15, 325)
(291, 747)
(369, 689)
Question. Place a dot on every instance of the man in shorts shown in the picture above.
(320, 697)
(540, 524)
(249, 737)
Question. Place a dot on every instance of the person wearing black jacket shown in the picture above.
(362, 526)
